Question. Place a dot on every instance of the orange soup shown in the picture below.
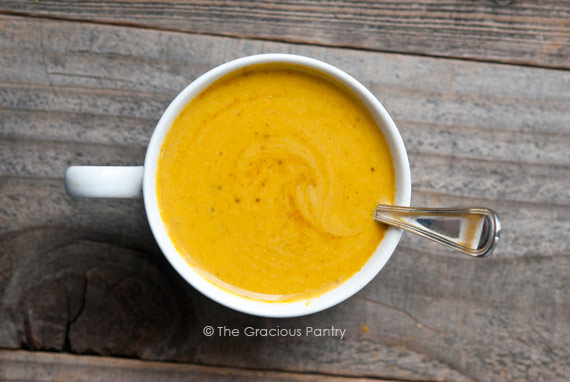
(268, 180)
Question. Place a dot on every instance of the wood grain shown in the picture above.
(85, 276)
(523, 31)
(16, 366)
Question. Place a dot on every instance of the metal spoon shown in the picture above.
(473, 231)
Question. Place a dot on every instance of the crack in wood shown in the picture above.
(67, 346)
(419, 323)
(88, 76)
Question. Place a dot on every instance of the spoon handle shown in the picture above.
(473, 231)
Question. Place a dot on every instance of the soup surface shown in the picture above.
(268, 180)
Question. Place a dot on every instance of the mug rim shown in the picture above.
(248, 305)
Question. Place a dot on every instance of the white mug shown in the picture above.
(136, 182)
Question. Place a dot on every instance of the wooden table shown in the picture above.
(480, 91)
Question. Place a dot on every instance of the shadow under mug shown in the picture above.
(136, 182)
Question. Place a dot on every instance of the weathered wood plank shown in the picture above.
(34, 366)
(502, 180)
(488, 332)
(85, 275)
(523, 31)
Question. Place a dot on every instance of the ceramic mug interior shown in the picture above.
(248, 305)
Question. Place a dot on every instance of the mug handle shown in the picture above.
(104, 181)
